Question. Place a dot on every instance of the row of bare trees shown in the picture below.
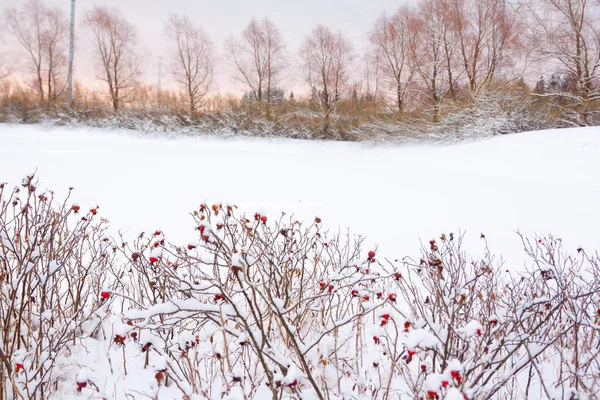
(425, 54)
(435, 53)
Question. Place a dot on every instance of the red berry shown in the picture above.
(478, 332)
(236, 269)
(330, 287)
(318, 220)
(379, 295)
(81, 385)
(293, 384)
(93, 211)
(456, 375)
(423, 367)
(135, 256)
(133, 335)
(153, 260)
(386, 316)
(105, 295)
(383, 322)
(263, 219)
(191, 246)
(411, 353)
(75, 208)
(354, 293)
(18, 366)
(366, 297)
(371, 254)
(444, 383)
(432, 395)
(406, 326)
(376, 339)
(219, 297)
(119, 339)
(397, 275)
(322, 284)
(392, 297)
(155, 244)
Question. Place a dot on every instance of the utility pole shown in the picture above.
(71, 46)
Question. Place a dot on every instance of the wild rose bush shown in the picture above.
(262, 306)
(54, 258)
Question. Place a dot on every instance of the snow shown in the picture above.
(473, 328)
(53, 267)
(538, 182)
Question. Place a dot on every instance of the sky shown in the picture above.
(222, 19)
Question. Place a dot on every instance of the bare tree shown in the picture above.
(389, 40)
(487, 33)
(71, 55)
(259, 58)
(567, 35)
(428, 50)
(193, 60)
(449, 46)
(371, 74)
(115, 46)
(326, 58)
(42, 33)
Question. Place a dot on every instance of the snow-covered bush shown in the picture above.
(260, 306)
(487, 115)
(269, 307)
(53, 263)
(471, 326)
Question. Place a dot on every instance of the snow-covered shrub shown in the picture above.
(281, 309)
(261, 306)
(474, 327)
(52, 262)
(270, 307)
(486, 115)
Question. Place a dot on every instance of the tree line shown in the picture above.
(423, 61)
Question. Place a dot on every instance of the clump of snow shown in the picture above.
(473, 328)
(421, 338)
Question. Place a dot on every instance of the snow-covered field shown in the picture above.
(538, 183)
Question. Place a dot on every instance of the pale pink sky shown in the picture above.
(221, 19)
